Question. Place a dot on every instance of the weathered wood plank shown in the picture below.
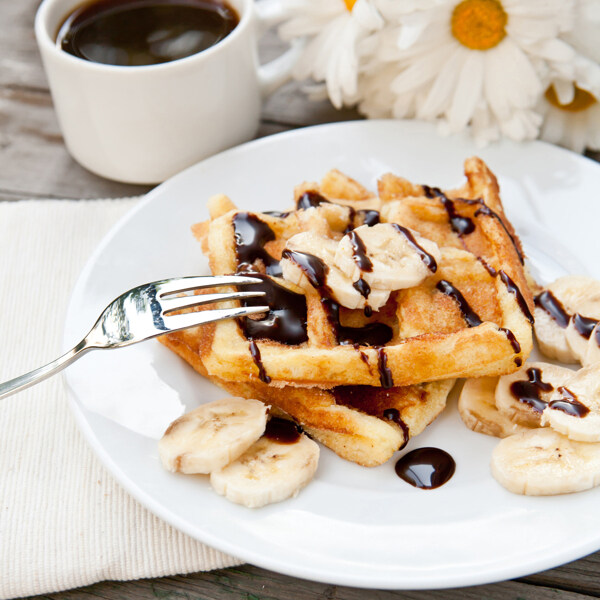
(253, 583)
(582, 576)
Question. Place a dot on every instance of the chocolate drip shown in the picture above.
(255, 352)
(373, 334)
(548, 302)
(393, 414)
(368, 311)
(529, 392)
(310, 199)
(426, 468)
(569, 404)
(471, 317)
(385, 375)
(363, 356)
(425, 256)
(369, 217)
(286, 320)
(486, 210)
(514, 343)
(514, 289)
(584, 325)
(597, 336)
(487, 267)
(362, 287)
(359, 252)
(251, 234)
(282, 431)
(461, 225)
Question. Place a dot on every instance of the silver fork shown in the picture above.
(143, 313)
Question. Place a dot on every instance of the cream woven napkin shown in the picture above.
(64, 522)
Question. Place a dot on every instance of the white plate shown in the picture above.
(351, 525)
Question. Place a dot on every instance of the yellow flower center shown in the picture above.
(349, 4)
(479, 24)
(581, 100)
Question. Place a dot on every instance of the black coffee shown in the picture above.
(144, 32)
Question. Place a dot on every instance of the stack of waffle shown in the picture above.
(378, 302)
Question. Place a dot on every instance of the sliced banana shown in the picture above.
(576, 294)
(393, 262)
(338, 285)
(213, 435)
(522, 395)
(551, 337)
(592, 353)
(267, 472)
(574, 408)
(542, 462)
(477, 408)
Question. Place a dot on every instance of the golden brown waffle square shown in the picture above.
(469, 318)
(363, 424)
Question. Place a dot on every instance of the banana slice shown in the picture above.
(477, 408)
(522, 396)
(551, 337)
(267, 472)
(300, 270)
(574, 408)
(213, 435)
(575, 294)
(542, 462)
(592, 353)
(385, 257)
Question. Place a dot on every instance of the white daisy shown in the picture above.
(484, 62)
(337, 32)
(572, 121)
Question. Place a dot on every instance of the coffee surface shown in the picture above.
(144, 32)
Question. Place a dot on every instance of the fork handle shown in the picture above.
(28, 379)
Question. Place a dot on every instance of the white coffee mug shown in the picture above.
(144, 124)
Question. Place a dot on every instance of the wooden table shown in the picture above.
(35, 164)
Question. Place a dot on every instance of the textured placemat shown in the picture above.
(64, 522)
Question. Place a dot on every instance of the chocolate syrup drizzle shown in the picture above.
(310, 199)
(569, 404)
(286, 320)
(514, 289)
(429, 261)
(255, 352)
(548, 302)
(359, 252)
(369, 217)
(385, 375)
(393, 414)
(251, 235)
(486, 210)
(514, 343)
(584, 325)
(529, 392)
(372, 334)
(282, 431)
(470, 316)
(461, 225)
(426, 468)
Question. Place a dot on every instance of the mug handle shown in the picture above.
(275, 73)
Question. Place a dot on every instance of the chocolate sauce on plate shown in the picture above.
(426, 468)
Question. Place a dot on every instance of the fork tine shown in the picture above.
(179, 302)
(186, 284)
(177, 322)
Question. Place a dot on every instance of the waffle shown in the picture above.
(470, 318)
(362, 424)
